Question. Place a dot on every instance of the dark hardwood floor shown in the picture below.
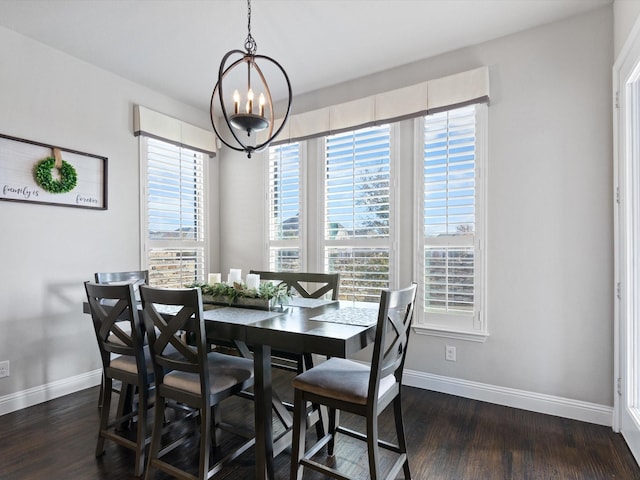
(449, 438)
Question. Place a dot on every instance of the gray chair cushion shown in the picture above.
(225, 371)
(128, 363)
(341, 379)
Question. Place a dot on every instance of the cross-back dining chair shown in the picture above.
(134, 277)
(345, 385)
(124, 358)
(197, 377)
(306, 284)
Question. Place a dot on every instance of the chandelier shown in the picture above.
(251, 111)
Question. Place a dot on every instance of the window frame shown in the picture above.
(394, 201)
(146, 244)
(464, 327)
(302, 214)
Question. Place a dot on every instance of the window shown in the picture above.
(284, 208)
(357, 211)
(174, 227)
(450, 254)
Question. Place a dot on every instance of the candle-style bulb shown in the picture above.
(262, 101)
(236, 101)
(250, 100)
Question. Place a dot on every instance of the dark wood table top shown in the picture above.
(294, 330)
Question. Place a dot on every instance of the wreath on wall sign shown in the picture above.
(43, 177)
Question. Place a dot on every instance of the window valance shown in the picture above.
(163, 127)
(421, 99)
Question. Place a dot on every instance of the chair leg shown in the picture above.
(156, 433)
(215, 419)
(402, 443)
(205, 441)
(372, 446)
(141, 433)
(333, 427)
(305, 362)
(125, 404)
(104, 415)
(299, 434)
(101, 394)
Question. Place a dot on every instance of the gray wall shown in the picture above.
(550, 308)
(550, 270)
(46, 252)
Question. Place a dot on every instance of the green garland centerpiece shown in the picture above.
(44, 178)
(239, 294)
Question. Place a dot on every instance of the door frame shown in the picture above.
(626, 178)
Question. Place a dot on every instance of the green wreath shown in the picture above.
(43, 177)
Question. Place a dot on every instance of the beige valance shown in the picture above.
(163, 127)
(423, 98)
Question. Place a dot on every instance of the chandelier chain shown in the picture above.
(250, 44)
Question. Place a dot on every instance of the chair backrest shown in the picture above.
(111, 306)
(392, 336)
(171, 316)
(324, 282)
(135, 277)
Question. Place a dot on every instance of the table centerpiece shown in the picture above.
(267, 296)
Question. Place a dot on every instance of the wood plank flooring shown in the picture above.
(449, 438)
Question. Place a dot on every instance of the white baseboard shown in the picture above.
(535, 402)
(33, 396)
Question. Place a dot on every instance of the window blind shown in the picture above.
(284, 207)
(175, 214)
(449, 211)
(357, 211)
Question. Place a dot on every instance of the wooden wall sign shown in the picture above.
(39, 173)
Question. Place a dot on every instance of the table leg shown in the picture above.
(263, 421)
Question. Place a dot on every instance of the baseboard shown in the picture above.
(33, 396)
(535, 402)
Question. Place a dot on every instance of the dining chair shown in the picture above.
(198, 378)
(346, 385)
(305, 285)
(134, 277)
(124, 358)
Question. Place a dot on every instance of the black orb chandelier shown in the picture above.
(247, 119)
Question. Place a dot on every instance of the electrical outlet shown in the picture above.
(450, 353)
(4, 369)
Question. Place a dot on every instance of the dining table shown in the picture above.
(317, 326)
(332, 328)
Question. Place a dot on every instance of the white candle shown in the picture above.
(215, 278)
(253, 281)
(235, 276)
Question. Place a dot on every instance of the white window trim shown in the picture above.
(479, 331)
(144, 213)
(303, 211)
(394, 200)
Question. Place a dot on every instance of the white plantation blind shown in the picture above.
(357, 210)
(284, 207)
(449, 208)
(175, 216)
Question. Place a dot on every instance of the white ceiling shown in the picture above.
(175, 46)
